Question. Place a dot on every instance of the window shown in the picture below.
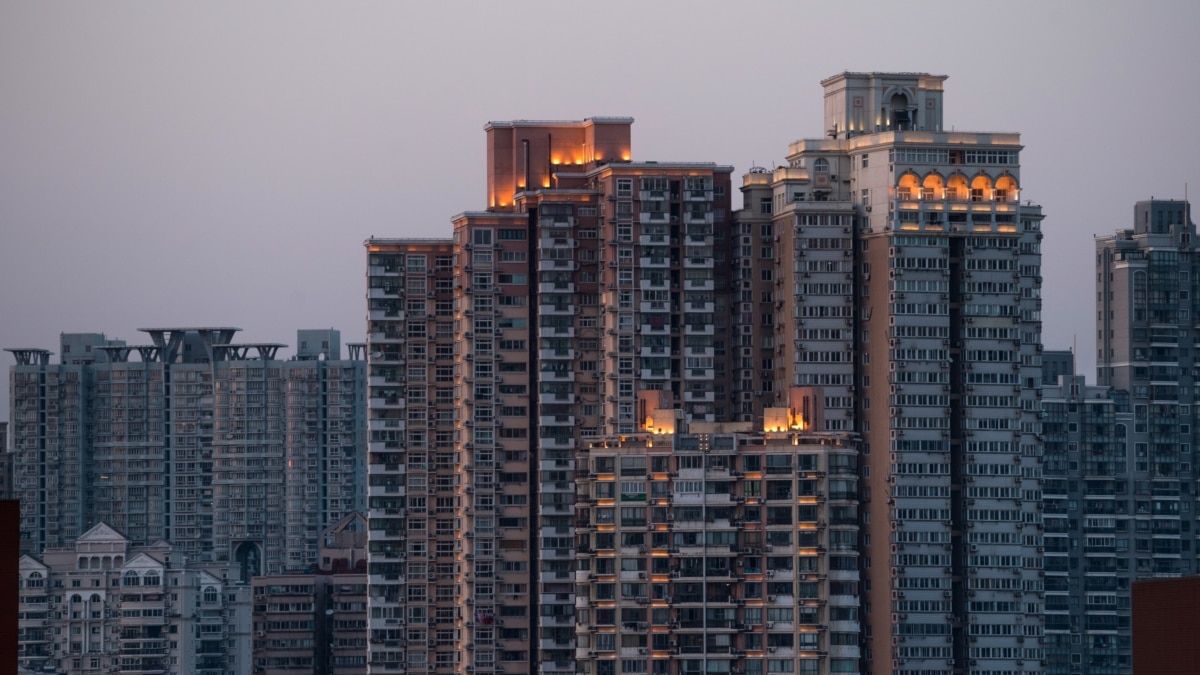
(764, 205)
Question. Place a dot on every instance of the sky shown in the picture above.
(221, 163)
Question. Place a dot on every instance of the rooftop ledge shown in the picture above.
(558, 123)
(986, 138)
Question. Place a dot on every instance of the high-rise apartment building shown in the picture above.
(884, 285)
(1146, 285)
(223, 450)
(494, 352)
(911, 293)
(1119, 480)
(1101, 526)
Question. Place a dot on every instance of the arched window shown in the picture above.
(95, 597)
(932, 187)
(35, 580)
(151, 579)
(210, 594)
(131, 578)
(956, 187)
(76, 599)
(1006, 189)
(981, 187)
(907, 186)
(821, 165)
(902, 117)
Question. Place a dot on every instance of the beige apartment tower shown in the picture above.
(908, 287)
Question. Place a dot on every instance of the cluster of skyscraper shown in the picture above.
(614, 426)
(617, 427)
(198, 461)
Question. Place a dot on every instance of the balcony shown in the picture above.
(556, 287)
(392, 402)
(557, 375)
(550, 354)
(556, 265)
(385, 315)
(556, 420)
(553, 221)
(383, 270)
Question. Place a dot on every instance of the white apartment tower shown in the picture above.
(909, 288)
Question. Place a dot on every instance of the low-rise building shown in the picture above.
(107, 606)
(316, 622)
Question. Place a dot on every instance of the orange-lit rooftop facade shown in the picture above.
(527, 154)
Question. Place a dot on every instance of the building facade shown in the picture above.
(6, 465)
(316, 622)
(1165, 623)
(1103, 529)
(105, 605)
(706, 549)
(908, 287)
(221, 449)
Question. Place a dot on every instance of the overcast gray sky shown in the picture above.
(221, 163)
